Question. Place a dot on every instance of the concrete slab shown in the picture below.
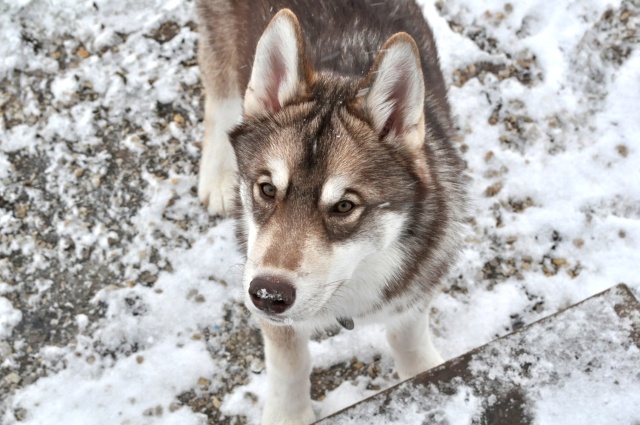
(580, 365)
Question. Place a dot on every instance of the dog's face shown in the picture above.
(328, 170)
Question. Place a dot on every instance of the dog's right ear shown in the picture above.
(395, 91)
(393, 98)
(279, 72)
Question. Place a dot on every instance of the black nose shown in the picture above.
(272, 295)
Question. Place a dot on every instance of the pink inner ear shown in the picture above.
(386, 129)
(399, 97)
(275, 79)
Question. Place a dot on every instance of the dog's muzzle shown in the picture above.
(272, 295)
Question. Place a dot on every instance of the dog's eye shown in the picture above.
(268, 190)
(343, 207)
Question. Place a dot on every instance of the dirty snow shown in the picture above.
(417, 406)
(119, 296)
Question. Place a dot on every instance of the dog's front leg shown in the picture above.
(288, 400)
(218, 162)
(412, 348)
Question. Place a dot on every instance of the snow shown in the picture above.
(597, 366)
(265, 295)
(564, 225)
(97, 390)
(416, 406)
(9, 318)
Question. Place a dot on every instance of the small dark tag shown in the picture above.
(346, 322)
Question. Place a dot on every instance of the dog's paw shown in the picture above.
(216, 191)
(420, 363)
(274, 416)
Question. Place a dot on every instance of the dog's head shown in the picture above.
(329, 169)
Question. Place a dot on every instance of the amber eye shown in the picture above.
(343, 207)
(268, 190)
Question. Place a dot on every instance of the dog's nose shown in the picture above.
(272, 295)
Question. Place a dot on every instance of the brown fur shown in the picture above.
(217, 57)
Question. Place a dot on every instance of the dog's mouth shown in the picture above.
(345, 322)
(275, 319)
(279, 319)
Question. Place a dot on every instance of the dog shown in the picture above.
(342, 176)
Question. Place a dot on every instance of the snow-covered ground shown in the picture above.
(120, 297)
(524, 378)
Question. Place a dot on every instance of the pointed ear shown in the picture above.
(279, 72)
(395, 99)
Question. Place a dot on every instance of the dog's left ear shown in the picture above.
(394, 101)
(279, 72)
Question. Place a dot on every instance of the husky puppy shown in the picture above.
(341, 174)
